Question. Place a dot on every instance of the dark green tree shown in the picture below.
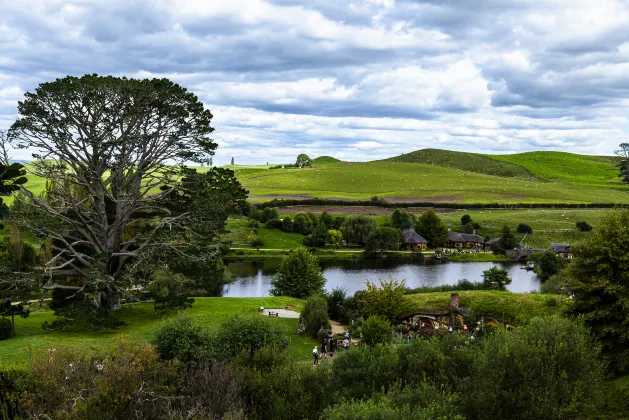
(232, 161)
(377, 330)
(269, 213)
(319, 236)
(623, 165)
(111, 149)
(430, 226)
(401, 220)
(355, 229)
(465, 219)
(524, 228)
(315, 315)
(600, 274)
(303, 224)
(12, 176)
(299, 276)
(468, 228)
(507, 240)
(303, 161)
(383, 239)
(287, 224)
(327, 220)
(549, 264)
(496, 278)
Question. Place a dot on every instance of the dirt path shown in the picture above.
(337, 328)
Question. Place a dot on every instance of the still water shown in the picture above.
(253, 278)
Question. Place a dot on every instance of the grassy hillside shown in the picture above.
(324, 161)
(469, 162)
(141, 321)
(593, 171)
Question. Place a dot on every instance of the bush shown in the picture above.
(183, 338)
(257, 243)
(326, 219)
(496, 278)
(6, 328)
(335, 237)
(465, 219)
(468, 228)
(287, 224)
(385, 300)
(549, 264)
(246, 334)
(338, 222)
(274, 224)
(269, 213)
(584, 226)
(476, 225)
(336, 298)
(253, 224)
(303, 224)
(356, 229)
(315, 315)
(559, 284)
(507, 240)
(383, 239)
(377, 330)
(319, 236)
(524, 228)
(299, 276)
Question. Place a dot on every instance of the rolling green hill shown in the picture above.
(470, 162)
(324, 161)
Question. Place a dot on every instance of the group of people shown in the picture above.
(328, 345)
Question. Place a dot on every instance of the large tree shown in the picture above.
(600, 273)
(430, 226)
(623, 165)
(299, 276)
(113, 151)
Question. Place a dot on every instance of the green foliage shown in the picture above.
(183, 338)
(507, 240)
(623, 165)
(496, 278)
(524, 228)
(430, 226)
(287, 224)
(303, 161)
(246, 334)
(385, 301)
(468, 228)
(377, 330)
(326, 219)
(336, 299)
(319, 236)
(335, 237)
(584, 226)
(6, 328)
(12, 176)
(465, 219)
(383, 239)
(315, 315)
(356, 229)
(600, 272)
(476, 225)
(401, 220)
(549, 264)
(548, 369)
(274, 224)
(299, 275)
(15, 254)
(269, 213)
(558, 284)
(303, 224)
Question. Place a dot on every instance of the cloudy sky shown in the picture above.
(355, 79)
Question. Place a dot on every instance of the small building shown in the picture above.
(563, 250)
(413, 240)
(465, 240)
(493, 243)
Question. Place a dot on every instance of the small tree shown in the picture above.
(496, 278)
(299, 276)
(232, 161)
(401, 220)
(315, 315)
(211, 161)
(319, 236)
(384, 238)
(468, 228)
(377, 330)
(385, 300)
(507, 240)
(302, 224)
(326, 219)
(303, 161)
(549, 264)
(355, 229)
(287, 224)
(430, 226)
(269, 213)
(623, 166)
(524, 228)
(465, 219)
(584, 226)
(335, 237)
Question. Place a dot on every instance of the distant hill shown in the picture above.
(470, 162)
(325, 160)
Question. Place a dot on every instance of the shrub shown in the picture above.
(476, 225)
(253, 224)
(6, 328)
(401, 220)
(335, 237)
(326, 219)
(287, 224)
(319, 236)
(468, 228)
(385, 300)
(302, 224)
(507, 240)
(465, 219)
(559, 284)
(299, 275)
(524, 228)
(246, 334)
(274, 224)
(584, 226)
(549, 264)
(382, 239)
(315, 315)
(269, 213)
(336, 298)
(496, 278)
(377, 330)
(338, 222)
(355, 229)
(183, 338)
(257, 243)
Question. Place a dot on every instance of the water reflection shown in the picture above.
(253, 278)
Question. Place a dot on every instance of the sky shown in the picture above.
(357, 80)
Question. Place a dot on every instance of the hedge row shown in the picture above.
(467, 206)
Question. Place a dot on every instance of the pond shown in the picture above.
(253, 278)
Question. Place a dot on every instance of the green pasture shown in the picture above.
(141, 321)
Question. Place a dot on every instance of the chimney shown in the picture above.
(454, 301)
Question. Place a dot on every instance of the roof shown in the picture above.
(412, 237)
(493, 241)
(560, 248)
(465, 237)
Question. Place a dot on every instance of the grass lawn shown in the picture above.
(507, 306)
(141, 321)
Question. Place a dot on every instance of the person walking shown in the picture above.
(315, 354)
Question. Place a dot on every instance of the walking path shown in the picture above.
(337, 328)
